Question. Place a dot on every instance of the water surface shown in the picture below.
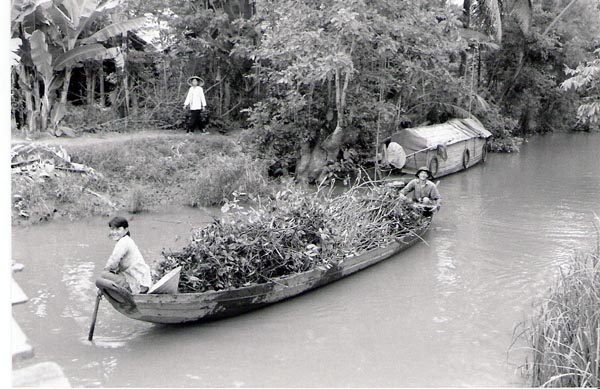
(440, 314)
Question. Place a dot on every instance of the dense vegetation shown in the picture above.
(292, 232)
(564, 333)
(316, 84)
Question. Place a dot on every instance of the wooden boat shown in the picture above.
(444, 148)
(186, 307)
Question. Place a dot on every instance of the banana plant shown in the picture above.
(55, 46)
(73, 17)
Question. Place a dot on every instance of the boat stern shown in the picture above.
(118, 297)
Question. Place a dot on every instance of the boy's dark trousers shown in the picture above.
(196, 120)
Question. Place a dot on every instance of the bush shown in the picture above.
(218, 177)
(503, 129)
(136, 200)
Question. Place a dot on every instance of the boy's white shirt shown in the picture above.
(195, 98)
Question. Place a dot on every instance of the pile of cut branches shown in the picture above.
(39, 160)
(292, 232)
(43, 178)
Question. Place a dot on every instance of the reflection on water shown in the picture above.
(446, 267)
(439, 314)
(79, 281)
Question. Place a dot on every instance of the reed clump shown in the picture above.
(136, 200)
(216, 178)
(564, 334)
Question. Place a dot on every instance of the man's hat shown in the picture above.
(424, 169)
(200, 80)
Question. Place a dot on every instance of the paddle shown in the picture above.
(94, 315)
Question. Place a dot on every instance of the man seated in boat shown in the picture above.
(422, 192)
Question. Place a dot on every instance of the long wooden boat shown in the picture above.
(444, 148)
(211, 305)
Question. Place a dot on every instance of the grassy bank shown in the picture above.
(564, 334)
(139, 174)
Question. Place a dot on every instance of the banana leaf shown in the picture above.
(22, 8)
(79, 10)
(79, 54)
(42, 60)
(116, 29)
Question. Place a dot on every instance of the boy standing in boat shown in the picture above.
(195, 99)
(423, 192)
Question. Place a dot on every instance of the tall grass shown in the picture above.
(160, 161)
(218, 177)
(197, 171)
(564, 333)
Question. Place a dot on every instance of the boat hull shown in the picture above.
(458, 156)
(212, 305)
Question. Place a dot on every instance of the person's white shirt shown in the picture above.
(127, 259)
(195, 98)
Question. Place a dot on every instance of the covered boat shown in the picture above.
(445, 148)
(210, 305)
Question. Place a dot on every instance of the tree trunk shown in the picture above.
(125, 75)
(25, 85)
(467, 13)
(66, 83)
(45, 110)
(134, 99)
(126, 92)
(219, 80)
(89, 84)
(313, 159)
(227, 95)
(101, 97)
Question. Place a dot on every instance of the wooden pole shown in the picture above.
(94, 316)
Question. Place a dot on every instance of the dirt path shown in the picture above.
(116, 137)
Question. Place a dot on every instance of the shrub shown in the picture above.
(503, 129)
(217, 178)
(136, 200)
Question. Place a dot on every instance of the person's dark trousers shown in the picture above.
(195, 120)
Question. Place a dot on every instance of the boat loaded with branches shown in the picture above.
(275, 250)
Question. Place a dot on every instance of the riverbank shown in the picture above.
(139, 171)
(131, 172)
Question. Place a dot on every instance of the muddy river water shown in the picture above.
(440, 314)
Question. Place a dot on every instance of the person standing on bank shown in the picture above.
(195, 99)
(424, 193)
(126, 266)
